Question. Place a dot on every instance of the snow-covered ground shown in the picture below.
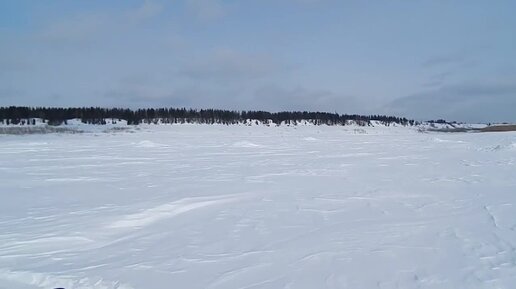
(199, 206)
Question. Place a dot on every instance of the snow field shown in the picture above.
(193, 206)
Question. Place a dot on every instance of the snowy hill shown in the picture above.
(38, 126)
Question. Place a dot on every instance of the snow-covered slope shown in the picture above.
(40, 126)
(111, 125)
(200, 206)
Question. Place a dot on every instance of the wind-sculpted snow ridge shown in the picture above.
(227, 207)
(9, 279)
(169, 210)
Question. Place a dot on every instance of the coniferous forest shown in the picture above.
(98, 115)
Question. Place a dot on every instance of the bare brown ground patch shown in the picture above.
(499, 128)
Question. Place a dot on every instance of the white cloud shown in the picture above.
(206, 10)
(147, 10)
(275, 97)
(85, 27)
(470, 102)
(75, 29)
(232, 65)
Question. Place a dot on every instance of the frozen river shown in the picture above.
(227, 207)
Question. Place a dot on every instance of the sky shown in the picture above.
(419, 59)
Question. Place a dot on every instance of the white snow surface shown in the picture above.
(222, 207)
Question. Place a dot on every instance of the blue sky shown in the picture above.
(420, 59)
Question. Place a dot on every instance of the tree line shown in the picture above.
(98, 115)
